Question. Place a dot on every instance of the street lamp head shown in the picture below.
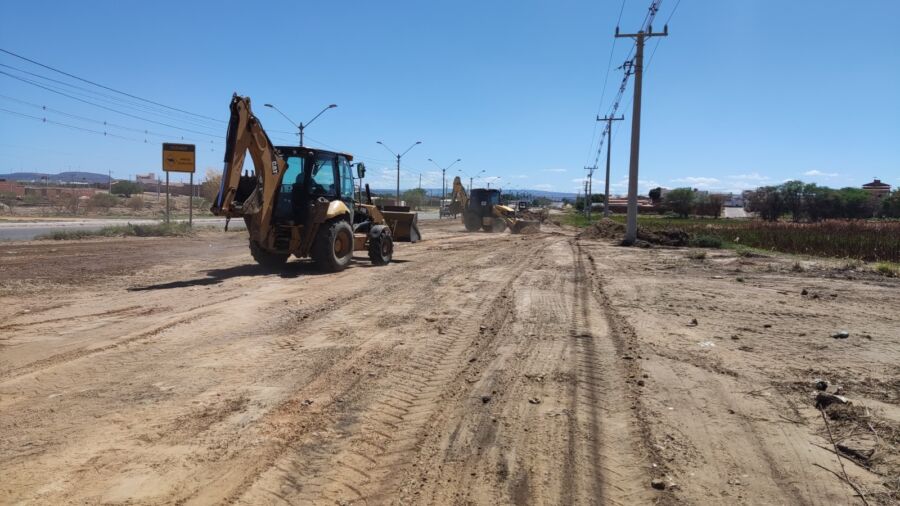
(418, 142)
(332, 106)
(430, 160)
(379, 142)
(459, 159)
(268, 105)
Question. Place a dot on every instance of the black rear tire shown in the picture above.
(333, 247)
(267, 259)
(472, 222)
(381, 248)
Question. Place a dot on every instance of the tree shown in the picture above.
(792, 197)
(209, 188)
(680, 201)
(857, 203)
(127, 188)
(655, 195)
(890, 205)
(414, 198)
(767, 202)
(596, 198)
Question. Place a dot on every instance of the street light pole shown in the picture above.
(301, 126)
(443, 181)
(471, 178)
(398, 164)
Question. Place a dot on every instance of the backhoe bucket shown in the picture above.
(404, 227)
(525, 227)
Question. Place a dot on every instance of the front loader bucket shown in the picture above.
(404, 227)
(525, 227)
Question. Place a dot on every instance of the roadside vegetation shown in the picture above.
(129, 230)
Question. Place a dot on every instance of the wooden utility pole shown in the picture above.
(608, 120)
(640, 37)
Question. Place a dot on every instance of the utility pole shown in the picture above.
(608, 120)
(640, 37)
(587, 192)
(443, 181)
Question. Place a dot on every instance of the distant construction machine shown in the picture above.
(483, 210)
(300, 201)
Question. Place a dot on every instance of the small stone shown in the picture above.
(658, 484)
(767, 326)
(735, 337)
(693, 323)
(844, 334)
(821, 385)
(534, 400)
(640, 383)
(645, 375)
(485, 399)
(804, 292)
(306, 402)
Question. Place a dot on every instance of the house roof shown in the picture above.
(876, 184)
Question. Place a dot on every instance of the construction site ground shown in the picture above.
(476, 369)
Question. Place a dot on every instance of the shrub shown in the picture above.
(135, 203)
(697, 254)
(706, 241)
(680, 201)
(126, 188)
(888, 269)
(102, 201)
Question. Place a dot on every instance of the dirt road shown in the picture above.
(477, 369)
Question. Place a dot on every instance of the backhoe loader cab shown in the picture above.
(300, 201)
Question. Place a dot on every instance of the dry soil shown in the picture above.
(476, 369)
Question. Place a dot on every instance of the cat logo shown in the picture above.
(274, 168)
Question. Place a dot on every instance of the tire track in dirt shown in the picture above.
(380, 437)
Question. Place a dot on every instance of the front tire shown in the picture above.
(266, 259)
(381, 248)
(333, 247)
(472, 222)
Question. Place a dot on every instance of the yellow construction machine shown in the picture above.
(300, 201)
(483, 210)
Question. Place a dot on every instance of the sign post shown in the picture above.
(179, 158)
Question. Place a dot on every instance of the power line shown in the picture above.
(107, 87)
(105, 107)
(109, 99)
(606, 80)
(627, 67)
(100, 122)
(74, 127)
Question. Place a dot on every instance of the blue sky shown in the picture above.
(741, 93)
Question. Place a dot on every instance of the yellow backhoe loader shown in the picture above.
(484, 210)
(300, 201)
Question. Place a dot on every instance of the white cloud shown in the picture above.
(697, 180)
(544, 187)
(753, 176)
(820, 173)
(554, 170)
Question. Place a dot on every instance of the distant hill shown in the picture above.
(65, 177)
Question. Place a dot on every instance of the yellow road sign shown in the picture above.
(178, 157)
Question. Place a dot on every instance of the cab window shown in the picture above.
(293, 179)
(346, 179)
(323, 176)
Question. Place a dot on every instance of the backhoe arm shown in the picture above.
(460, 200)
(245, 133)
